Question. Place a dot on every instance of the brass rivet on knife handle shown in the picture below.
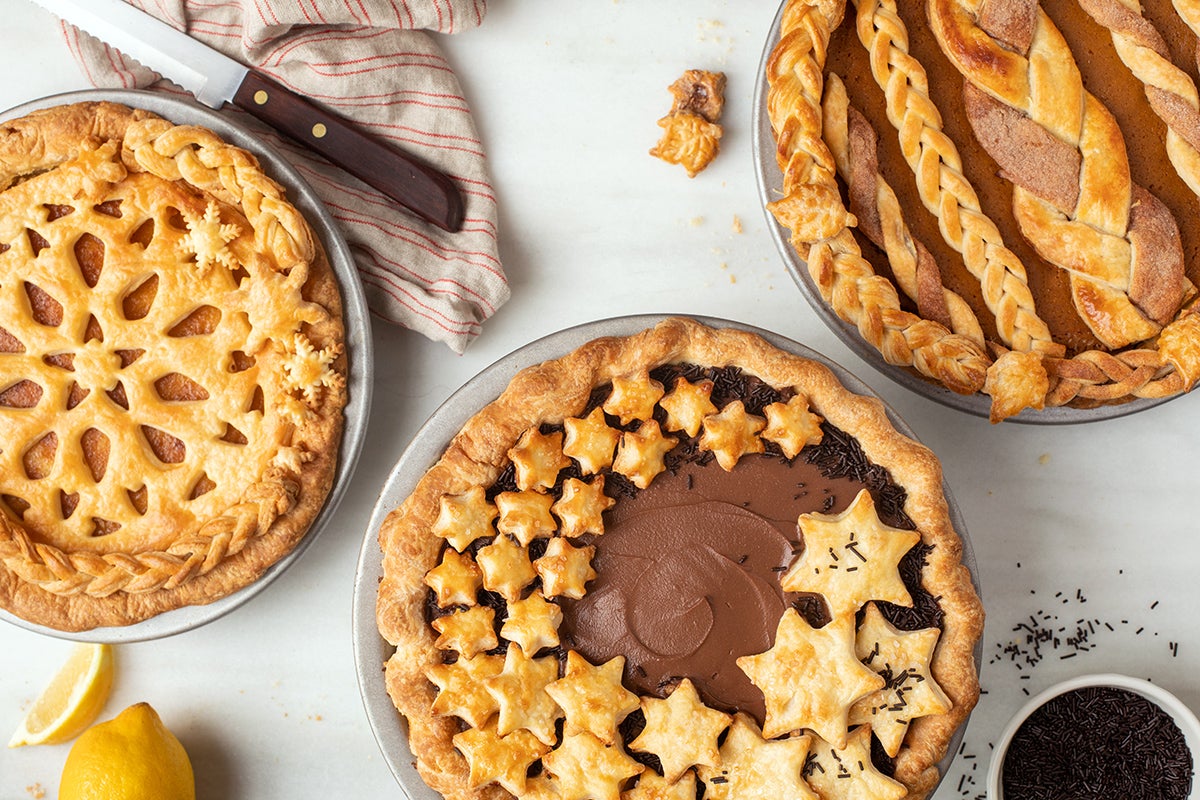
(424, 191)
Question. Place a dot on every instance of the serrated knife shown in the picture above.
(215, 79)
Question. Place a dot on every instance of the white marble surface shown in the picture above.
(266, 700)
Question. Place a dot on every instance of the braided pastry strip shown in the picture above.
(199, 157)
(813, 210)
(945, 190)
(101, 575)
(853, 143)
(1170, 91)
(1064, 153)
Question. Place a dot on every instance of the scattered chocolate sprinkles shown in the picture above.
(1098, 742)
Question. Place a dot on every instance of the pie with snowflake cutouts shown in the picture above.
(677, 560)
(172, 374)
(1000, 195)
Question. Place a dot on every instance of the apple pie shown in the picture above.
(1000, 196)
(172, 374)
(679, 559)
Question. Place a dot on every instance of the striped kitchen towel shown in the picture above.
(372, 62)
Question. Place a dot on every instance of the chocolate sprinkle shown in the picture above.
(1098, 742)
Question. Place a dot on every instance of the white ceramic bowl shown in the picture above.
(1183, 716)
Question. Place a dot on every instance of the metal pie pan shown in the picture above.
(357, 341)
(371, 651)
(770, 182)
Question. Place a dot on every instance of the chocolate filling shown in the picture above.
(688, 569)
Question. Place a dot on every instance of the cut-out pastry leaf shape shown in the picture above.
(810, 677)
(851, 558)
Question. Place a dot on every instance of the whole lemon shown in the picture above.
(131, 757)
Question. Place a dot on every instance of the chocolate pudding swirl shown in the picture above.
(688, 569)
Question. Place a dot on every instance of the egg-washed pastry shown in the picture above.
(692, 132)
(172, 373)
(1000, 196)
(745, 574)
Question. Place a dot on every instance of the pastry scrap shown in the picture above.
(691, 136)
(580, 657)
(1004, 238)
(172, 368)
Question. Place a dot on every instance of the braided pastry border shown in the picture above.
(812, 209)
(123, 587)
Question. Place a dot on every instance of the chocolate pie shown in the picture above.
(172, 374)
(677, 560)
(1001, 196)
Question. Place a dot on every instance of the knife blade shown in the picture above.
(215, 79)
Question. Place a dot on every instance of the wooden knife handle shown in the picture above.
(424, 191)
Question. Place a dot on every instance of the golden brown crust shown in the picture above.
(1117, 246)
(256, 426)
(550, 392)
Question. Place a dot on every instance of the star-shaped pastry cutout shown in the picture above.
(592, 697)
(525, 515)
(460, 688)
(652, 786)
(502, 759)
(687, 405)
(753, 768)
(581, 507)
(520, 692)
(590, 441)
(731, 434)
(541, 787)
(681, 731)
(810, 678)
(537, 458)
(851, 558)
(532, 623)
(792, 425)
(848, 774)
(208, 238)
(633, 397)
(585, 768)
(506, 568)
(469, 632)
(903, 659)
(642, 453)
(455, 580)
(307, 370)
(565, 569)
(463, 518)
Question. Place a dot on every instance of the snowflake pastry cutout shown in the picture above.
(208, 239)
(307, 370)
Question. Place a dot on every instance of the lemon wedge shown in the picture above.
(133, 756)
(72, 700)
